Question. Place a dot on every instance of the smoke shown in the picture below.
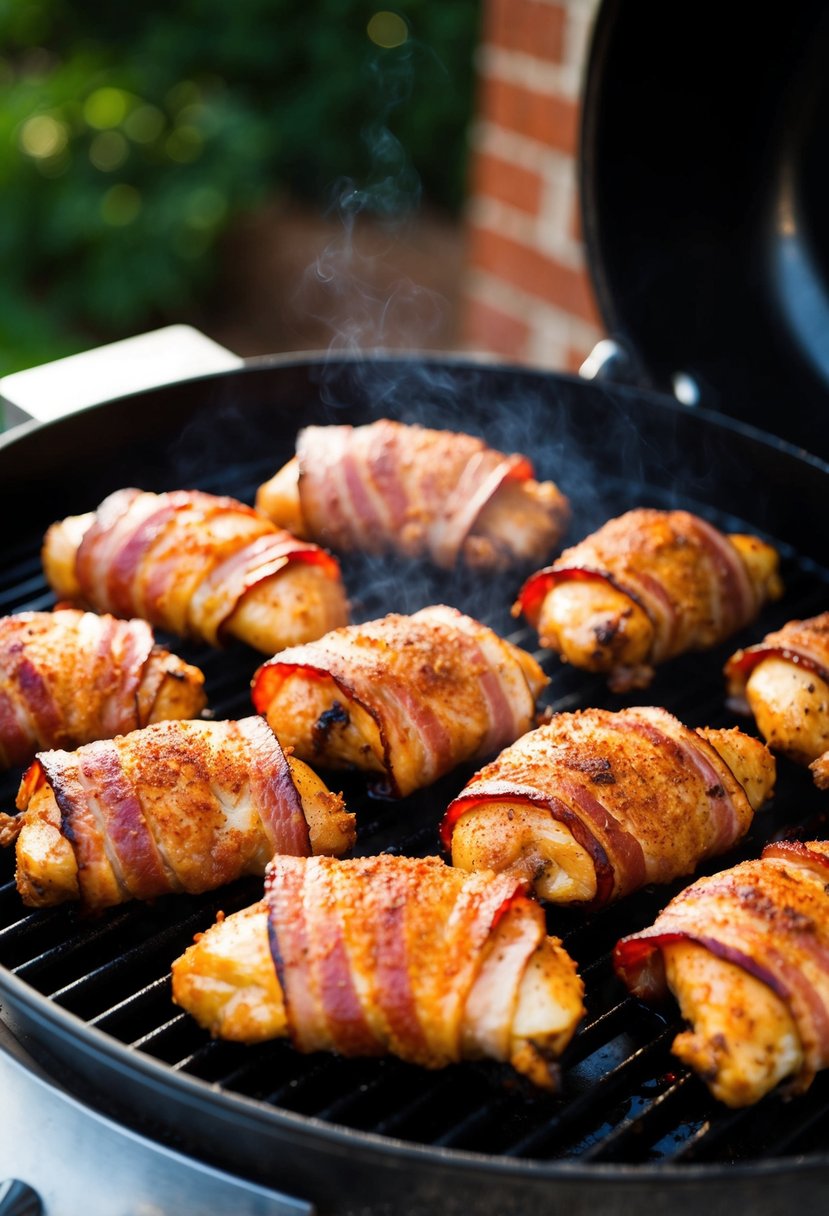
(363, 287)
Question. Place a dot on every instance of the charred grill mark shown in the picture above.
(336, 715)
(597, 768)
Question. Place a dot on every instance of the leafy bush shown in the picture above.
(132, 135)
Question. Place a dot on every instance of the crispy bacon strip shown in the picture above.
(593, 805)
(423, 493)
(388, 955)
(784, 682)
(177, 806)
(645, 587)
(196, 564)
(760, 928)
(410, 697)
(68, 677)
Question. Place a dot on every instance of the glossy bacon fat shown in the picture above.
(784, 682)
(388, 955)
(177, 806)
(746, 952)
(408, 697)
(68, 677)
(418, 492)
(647, 586)
(198, 565)
(593, 805)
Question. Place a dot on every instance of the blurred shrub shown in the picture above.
(132, 134)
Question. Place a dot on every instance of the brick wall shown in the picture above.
(526, 293)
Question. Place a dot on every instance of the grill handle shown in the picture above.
(163, 356)
(18, 1199)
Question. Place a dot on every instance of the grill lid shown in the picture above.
(704, 193)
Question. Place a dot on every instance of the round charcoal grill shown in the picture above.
(91, 998)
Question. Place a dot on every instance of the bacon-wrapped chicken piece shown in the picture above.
(68, 677)
(391, 487)
(593, 805)
(175, 807)
(746, 954)
(784, 682)
(646, 587)
(388, 955)
(197, 565)
(408, 697)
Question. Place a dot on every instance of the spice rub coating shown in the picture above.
(388, 955)
(406, 697)
(746, 954)
(645, 587)
(198, 565)
(594, 804)
(393, 487)
(68, 677)
(175, 807)
(783, 681)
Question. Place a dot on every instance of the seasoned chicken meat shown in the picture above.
(406, 697)
(746, 954)
(418, 492)
(197, 565)
(646, 587)
(177, 806)
(388, 955)
(68, 677)
(593, 805)
(784, 682)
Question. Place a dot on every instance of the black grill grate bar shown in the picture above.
(375, 1093)
(600, 1028)
(102, 977)
(23, 940)
(86, 940)
(598, 1093)
(147, 1041)
(773, 1127)
(132, 1004)
(477, 1125)
(30, 593)
(193, 1060)
(794, 1132)
(409, 1111)
(630, 1137)
(21, 571)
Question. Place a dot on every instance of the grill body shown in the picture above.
(91, 999)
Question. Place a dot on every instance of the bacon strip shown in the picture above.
(441, 687)
(177, 806)
(804, 643)
(688, 578)
(769, 917)
(184, 560)
(379, 954)
(47, 658)
(643, 795)
(389, 486)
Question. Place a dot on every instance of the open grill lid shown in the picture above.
(705, 196)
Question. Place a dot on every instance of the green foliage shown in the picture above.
(132, 135)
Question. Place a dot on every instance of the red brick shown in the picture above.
(528, 26)
(552, 120)
(535, 273)
(485, 327)
(494, 177)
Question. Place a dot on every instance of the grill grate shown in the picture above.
(624, 1098)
